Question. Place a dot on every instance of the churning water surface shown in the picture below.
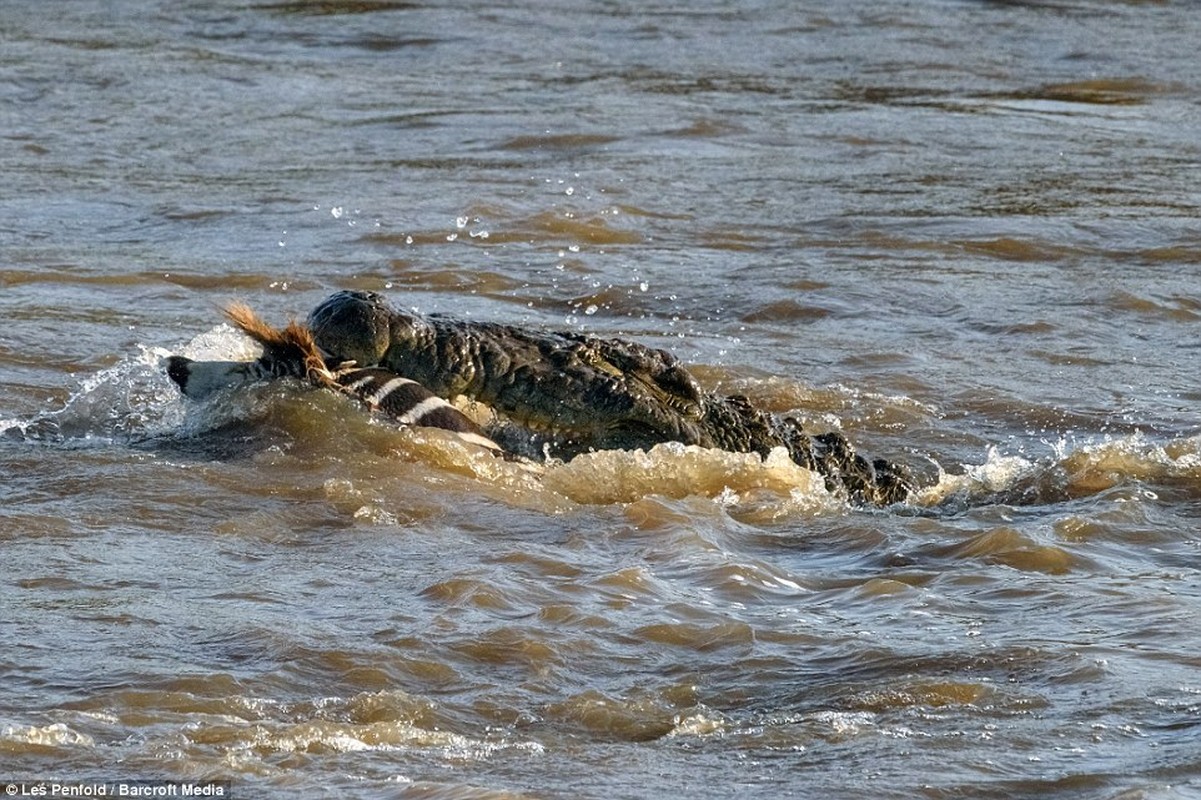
(965, 233)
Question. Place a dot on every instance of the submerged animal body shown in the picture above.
(581, 392)
(291, 353)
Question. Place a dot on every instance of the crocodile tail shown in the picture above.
(878, 482)
(845, 472)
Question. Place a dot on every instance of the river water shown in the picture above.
(964, 233)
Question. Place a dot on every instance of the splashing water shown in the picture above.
(1084, 469)
(133, 400)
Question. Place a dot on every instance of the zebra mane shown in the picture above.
(292, 346)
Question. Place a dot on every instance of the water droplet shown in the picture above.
(644, 286)
(461, 222)
(591, 309)
(336, 212)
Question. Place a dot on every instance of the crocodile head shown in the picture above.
(581, 392)
(352, 326)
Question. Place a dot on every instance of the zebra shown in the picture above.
(291, 352)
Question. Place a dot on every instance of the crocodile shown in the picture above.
(578, 392)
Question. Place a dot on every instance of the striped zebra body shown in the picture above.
(407, 402)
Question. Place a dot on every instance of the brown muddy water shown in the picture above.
(965, 233)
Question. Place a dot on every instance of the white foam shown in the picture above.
(1069, 470)
(54, 735)
(133, 399)
(222, 343)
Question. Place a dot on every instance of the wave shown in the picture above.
(1070, 471)
(17, 739)
(126, 402)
